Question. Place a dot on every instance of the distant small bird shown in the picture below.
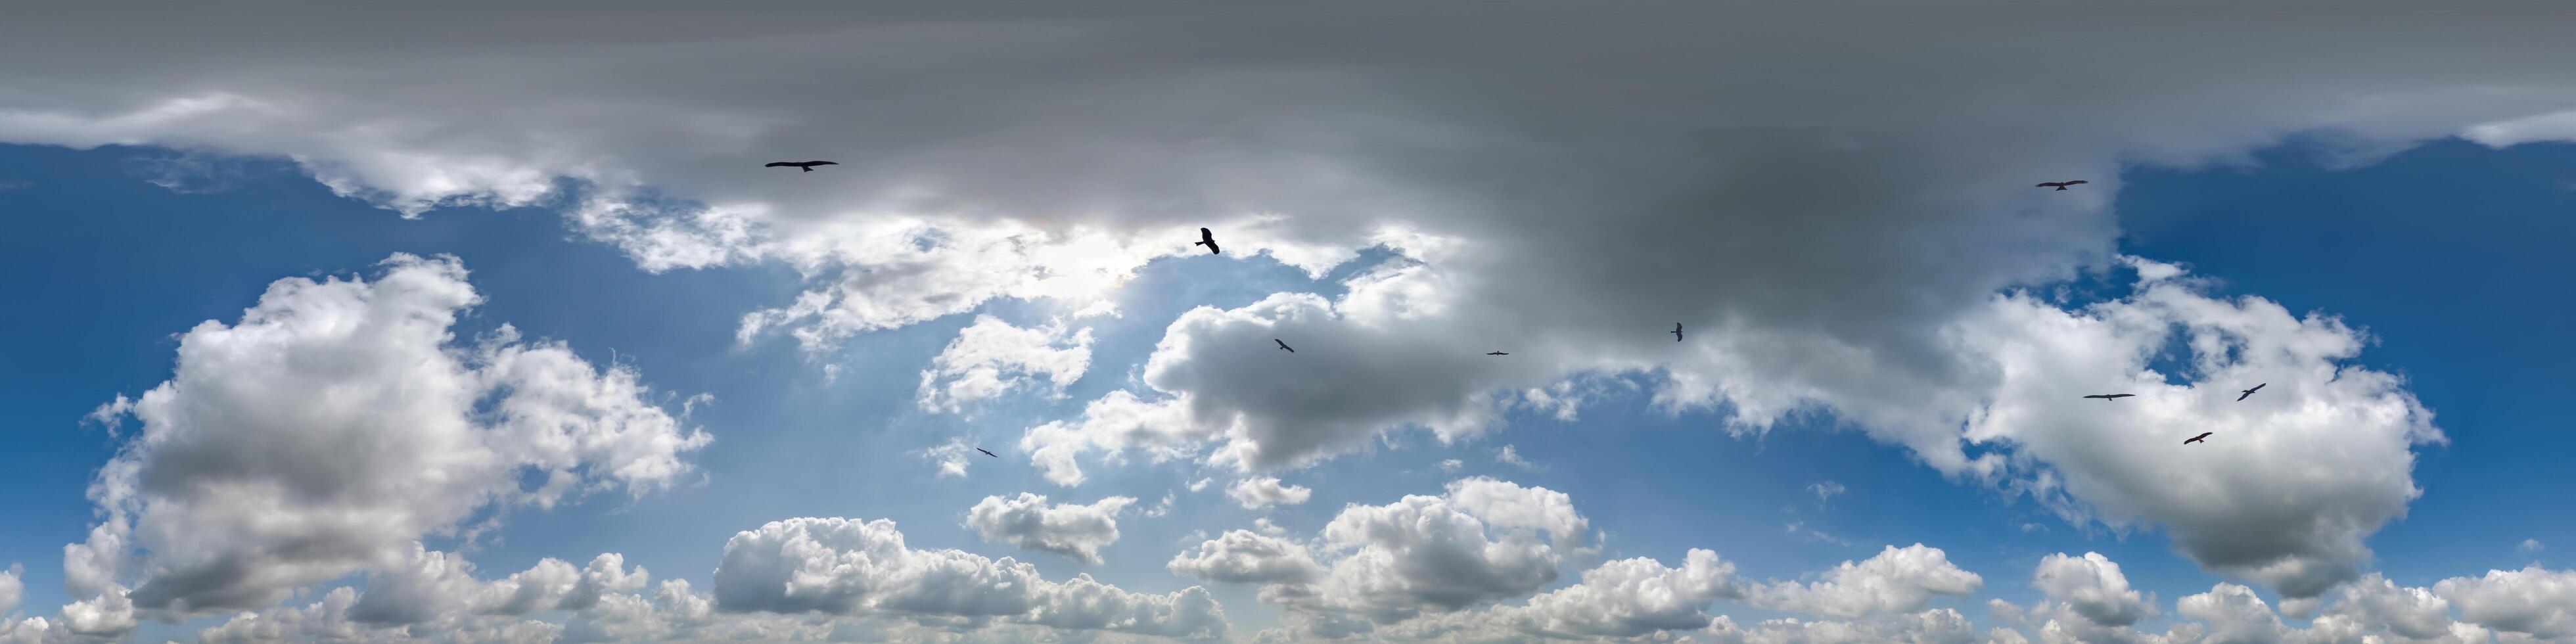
(1677, 331)
(2110, 396)
(1207, 239)
(2196, 439)
(1496, 353)
(807, 166)
(1283, 346)
(2061, 185)
(2240, 396)
(988, 452)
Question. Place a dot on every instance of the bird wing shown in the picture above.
(822, 163)
(2069, 183)
(987, 452)
(2240, 397)
(2051, 184)
(778, 164)
(1205, 234)
(1212, 249)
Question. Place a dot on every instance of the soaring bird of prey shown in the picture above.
(2110, 396)
(2240, 396)
(988, 452)
(1207, 239)
(807, 166)
(2061, 185)
(2196, 439)
(1677, 331)
(1283, 346)
(1496, 353)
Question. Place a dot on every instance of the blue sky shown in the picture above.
(1905, 343)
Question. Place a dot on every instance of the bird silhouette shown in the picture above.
(1677, 331)
(1496, 353)
(2196, 439)
(1283, 346)
(807, 166)
(2061, 185)
(1207, 239)
(2240, 396)
(2110, 396)
(988, 452)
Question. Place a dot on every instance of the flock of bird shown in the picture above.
(1208, 238)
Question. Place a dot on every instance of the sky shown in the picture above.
(481, 322)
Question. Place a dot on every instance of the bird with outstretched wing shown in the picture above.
(1677, 331)
(2061, 185)
(988, 452)
(807, 166)
(1283, 346)
(1207, 239)
(2196, 439)
(2110, 396)
(2240, 395)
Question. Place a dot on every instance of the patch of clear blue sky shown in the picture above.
(2452, 255)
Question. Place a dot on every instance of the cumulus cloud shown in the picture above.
(1265, 491)
(1482, 541)
(333, 425)
(952, 457)
(1027, 522)
(833, 566)
(1241, 557)
(1896, 580)
(1509, 456)
(991, 357)
(1936, 626)
(2093, 587)
(2532, 601)
(2529, 547)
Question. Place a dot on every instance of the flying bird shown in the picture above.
(807, 166)
(2196, 439)
(2061, 185)
(1677, 331)
(988, 452)
(1496, 353)
(2110, 396)
(1207, 239)
(2240, 396)
(1283, 346)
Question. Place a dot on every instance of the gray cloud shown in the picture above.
(1026, 521)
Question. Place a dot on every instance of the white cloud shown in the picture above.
(990, 358)
(1897, 580)
(1482, 541)
(952, 457)
(1825, 491)
(1027, 522)
(1936, 626)
(1261, 492)
(835, 566)
(2529, 547)
(1509, 456)
(1451, 465)
(336, 423)
(1632, 597)
(1113, 423)
(2093, 587)
(11, 590)
(1241, 557)
(2532, 601)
